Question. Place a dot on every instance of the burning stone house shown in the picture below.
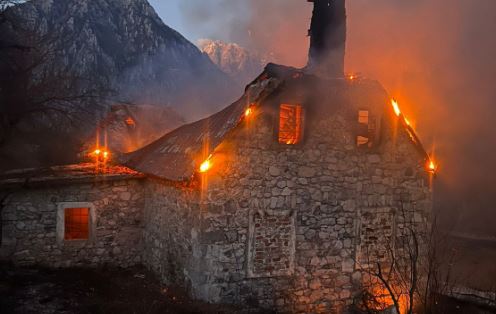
(271, 202)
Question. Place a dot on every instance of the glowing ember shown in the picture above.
(396, 107)
(432, 166)
(407, 122)
(100, 155)
(352, 77)
(205, 166)
(130, 121)
(248, 112)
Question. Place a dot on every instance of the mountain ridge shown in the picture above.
(126, 41)
(239, 63)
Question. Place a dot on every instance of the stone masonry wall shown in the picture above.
(343, 199)
(30, 225)
(171, 231)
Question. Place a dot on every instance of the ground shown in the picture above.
(43, 291)
(474, 262)
(107, 290)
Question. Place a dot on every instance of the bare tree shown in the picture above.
(409, 270)
(36, 88)
(33, 83)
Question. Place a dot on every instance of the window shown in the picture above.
(290, 124)
(366, 129)
(76, 223)
(271, 243)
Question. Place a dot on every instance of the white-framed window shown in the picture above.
(76, 221)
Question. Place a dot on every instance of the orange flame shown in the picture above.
(432, 166)
(99, 153)
(248, 112)
(206, 165)
(396, 107)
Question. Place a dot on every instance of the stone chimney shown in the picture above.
(327, 38)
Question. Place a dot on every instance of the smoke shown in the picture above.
(277, 28)
(435, 56)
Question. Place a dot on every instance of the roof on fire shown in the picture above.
(176, 155)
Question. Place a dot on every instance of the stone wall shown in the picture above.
(31, 233)
(171, 233)
(345, 200)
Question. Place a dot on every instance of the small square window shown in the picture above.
(76, 223)
(290, 124)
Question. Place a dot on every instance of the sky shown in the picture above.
(171, 13)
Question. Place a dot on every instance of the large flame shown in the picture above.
(206, 165)
(396, 107)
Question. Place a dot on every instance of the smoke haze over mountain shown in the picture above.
(436, 57)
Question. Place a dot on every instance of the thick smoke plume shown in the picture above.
(435, 56)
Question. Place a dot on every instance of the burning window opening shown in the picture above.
(367, 128)
(290, 124)
(76, 224)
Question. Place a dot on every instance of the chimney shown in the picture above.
(327, 38)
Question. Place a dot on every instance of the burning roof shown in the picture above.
(173, 156)
(178, 155)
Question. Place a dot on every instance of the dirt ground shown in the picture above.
(43, 291)
(108, 290)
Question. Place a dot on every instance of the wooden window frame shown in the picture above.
(301, 119)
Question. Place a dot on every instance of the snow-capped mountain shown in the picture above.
(239, 63)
